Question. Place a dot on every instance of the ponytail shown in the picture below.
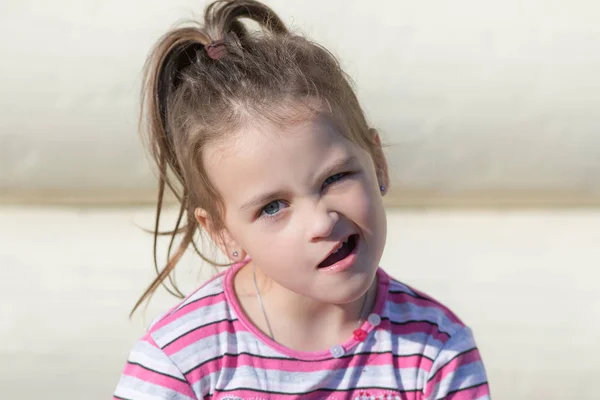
(162, 72)
(174, 53)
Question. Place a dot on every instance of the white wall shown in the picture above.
(526, 282)
(477, 98)
(492, 97)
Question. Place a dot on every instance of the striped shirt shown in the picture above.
(205, 348)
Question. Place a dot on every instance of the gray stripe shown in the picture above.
(190, 321)
(244, 342)
(301, 382)
(466, 376)
(405, 312)
(212, 288)
(216, 345)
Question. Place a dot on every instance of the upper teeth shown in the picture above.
(340, 246)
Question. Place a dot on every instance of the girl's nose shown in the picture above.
(321, 223)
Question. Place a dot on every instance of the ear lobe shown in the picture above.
(222, 238)
(230, 247)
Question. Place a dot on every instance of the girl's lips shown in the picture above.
(346, 262)
(334, 249)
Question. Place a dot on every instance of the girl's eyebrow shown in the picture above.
(266, 198)
(338, 165)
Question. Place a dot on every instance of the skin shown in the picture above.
(319, 202)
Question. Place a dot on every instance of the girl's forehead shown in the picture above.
(265, 155)
(260, 143)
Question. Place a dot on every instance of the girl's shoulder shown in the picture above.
(175, 342)
(407, 306)
(420, 324)
(205, 307)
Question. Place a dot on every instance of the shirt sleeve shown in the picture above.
(151, 375)
(457, 372)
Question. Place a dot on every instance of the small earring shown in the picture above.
(235, 254)
(382, 188)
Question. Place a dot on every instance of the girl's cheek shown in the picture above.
(362, 202)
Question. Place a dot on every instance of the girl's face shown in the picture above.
(294, 196)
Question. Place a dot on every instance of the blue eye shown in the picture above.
(271, 209)
(334, 178)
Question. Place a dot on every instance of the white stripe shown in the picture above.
(396, 286)
(191, 321)
(217, 345)
(206, 384)
(133, 388)
(150, 357)
(211, 288)
(461, 378)
(404, 312)
(245, 342)
(459, 343)
(406, 345)
(341, 379)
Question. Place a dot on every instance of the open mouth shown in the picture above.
(346, 248)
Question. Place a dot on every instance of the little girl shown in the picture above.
(263, 142)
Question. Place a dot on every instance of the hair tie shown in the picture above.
(216, 49)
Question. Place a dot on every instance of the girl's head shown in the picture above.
(263, 142)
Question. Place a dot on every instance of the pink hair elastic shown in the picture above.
(216, 49)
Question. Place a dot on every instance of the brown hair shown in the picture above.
(191, 98)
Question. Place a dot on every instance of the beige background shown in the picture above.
(488, 102)
(482, 103)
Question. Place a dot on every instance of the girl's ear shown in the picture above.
(222, 237)
(381, 166)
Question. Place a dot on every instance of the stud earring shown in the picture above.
(235, 254)
(382, 188)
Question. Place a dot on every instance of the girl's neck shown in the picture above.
(298, 322)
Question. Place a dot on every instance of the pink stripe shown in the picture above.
(470, 394)
(148, 339)
(236, 326)
(318, 395)
(464, 359)
(173, 315)
(413, 327)
(203, 302)
(205, 332)
(157, 379)
(290, 365)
